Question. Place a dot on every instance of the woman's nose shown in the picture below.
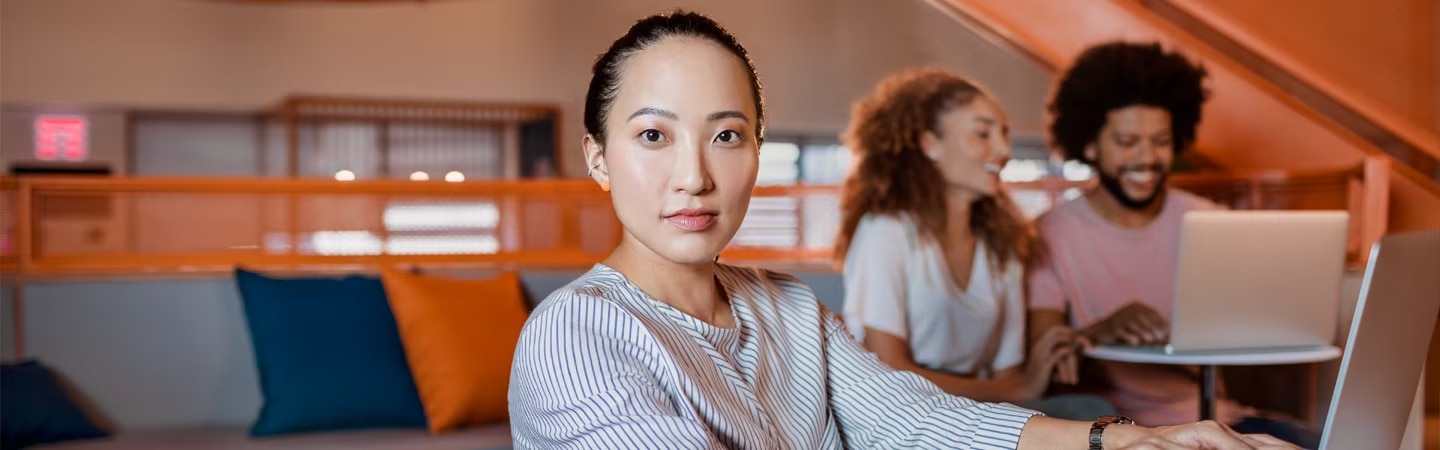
(691, 175)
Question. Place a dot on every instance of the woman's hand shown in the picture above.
(1067, 370)
(1200, 435)
(1045, 357)
(1134, 324)
(1043, 433)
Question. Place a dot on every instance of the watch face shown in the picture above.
(1097, 429)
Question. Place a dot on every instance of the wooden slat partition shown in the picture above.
(185, 225)
(482, 128)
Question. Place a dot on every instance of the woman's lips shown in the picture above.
(692, 220)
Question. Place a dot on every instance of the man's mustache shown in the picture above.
(1140, 168)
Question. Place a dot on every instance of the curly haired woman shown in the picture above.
(935, 253)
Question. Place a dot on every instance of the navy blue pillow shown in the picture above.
(329, 355)
(35, 409)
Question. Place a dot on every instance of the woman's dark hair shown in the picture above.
(892, 176)
(605, 76)
(1117, 75)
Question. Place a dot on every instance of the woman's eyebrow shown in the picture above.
(653, 111)
(727, 115)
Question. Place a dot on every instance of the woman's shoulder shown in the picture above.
(598, 296)
(769, 287)
(893, 231)
(886, 224)
(762, 277)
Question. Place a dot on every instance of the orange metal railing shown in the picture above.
(9, 215)
(67, 226)
(175, 224)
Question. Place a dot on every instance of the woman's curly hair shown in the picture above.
(1120, 74)
(893, 176)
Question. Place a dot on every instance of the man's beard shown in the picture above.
(1111, 183)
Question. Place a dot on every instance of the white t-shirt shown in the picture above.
(897, 281)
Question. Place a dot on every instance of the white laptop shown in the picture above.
(1386, 349)
(1253, 280)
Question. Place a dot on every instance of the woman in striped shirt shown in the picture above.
(660, 346)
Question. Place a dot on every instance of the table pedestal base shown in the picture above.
(1207, 392)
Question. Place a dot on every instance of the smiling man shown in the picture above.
(1127, 110)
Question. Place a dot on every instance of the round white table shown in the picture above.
(1209, 360)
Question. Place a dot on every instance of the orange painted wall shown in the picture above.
(1380, 51)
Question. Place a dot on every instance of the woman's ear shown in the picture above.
(595, 162)
(1089, 154)
(930, 145)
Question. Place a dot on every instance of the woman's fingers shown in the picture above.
(1069, 369)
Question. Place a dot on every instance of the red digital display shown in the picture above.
(62, 138)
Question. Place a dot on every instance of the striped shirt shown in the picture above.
(602, 365)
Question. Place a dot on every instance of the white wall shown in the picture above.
(216, 146)
(815, 56)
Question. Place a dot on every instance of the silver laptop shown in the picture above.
(1399, 300)
(1258, 279)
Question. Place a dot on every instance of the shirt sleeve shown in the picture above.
(1012, 337)
(875, 278)
(1045, 288)
(877, 407)
(579, 381)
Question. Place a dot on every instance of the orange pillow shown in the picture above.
(459, 338)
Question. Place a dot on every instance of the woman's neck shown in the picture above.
(690, 288)
(959, 203)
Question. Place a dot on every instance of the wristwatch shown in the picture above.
(1097, 430)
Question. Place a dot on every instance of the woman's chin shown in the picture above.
(689, 258)
(980, 189)
(689, 250)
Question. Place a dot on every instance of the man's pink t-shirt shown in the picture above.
(1094, 268)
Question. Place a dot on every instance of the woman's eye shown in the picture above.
(984, 135)
(728, 137)
(652, 136)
